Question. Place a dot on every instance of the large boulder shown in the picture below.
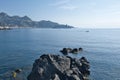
(55, 67)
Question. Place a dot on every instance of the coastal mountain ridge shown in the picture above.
(25, 21)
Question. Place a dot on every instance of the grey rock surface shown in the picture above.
(55, 67)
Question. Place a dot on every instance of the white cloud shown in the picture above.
(68, 7)
(64, 4)
(59, 3)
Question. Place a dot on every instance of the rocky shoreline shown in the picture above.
(56, 67)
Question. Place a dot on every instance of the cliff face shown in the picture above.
(16, 21)
(55, 67)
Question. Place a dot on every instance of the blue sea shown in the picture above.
(20, 47)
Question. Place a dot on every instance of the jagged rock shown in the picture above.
(55, 77)
(55, 67)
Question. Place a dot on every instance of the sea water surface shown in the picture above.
(20, 47)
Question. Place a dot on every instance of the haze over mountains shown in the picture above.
(16, 21)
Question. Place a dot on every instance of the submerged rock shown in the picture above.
(55, 67)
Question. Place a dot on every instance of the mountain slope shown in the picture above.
(16, 21)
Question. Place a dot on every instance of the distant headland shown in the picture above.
(25, 22)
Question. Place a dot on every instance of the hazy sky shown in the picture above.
(79, 13)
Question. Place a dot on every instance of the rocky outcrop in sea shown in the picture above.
(65, 51)
(56, 67)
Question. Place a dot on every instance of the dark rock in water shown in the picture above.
(80, 49)
(85, 66)
(55, 67)
(75, 50)
(18, 70)
(65, 51)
